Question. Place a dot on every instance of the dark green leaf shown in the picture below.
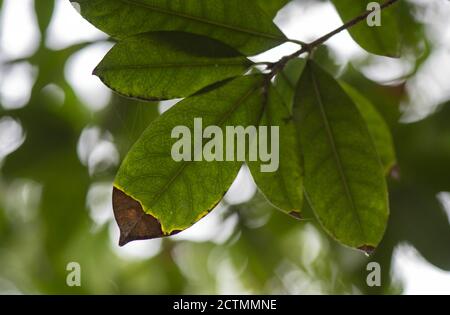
(284, 187)
(271, 7)
(237, 23)
(420, 220)
(175, 195)
(424, 150)
(344, 180)
(168, 65)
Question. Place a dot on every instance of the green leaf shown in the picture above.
(284, 187)
(387, 99)
(237, 23)
(175, 195)
(382, 40)
(286, 80)
(168, 65)
(344, 180)
(271, 7)
(378, 128)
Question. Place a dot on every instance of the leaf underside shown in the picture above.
(168, 65)
(344, 180)
(333, 145)
(284, 187)
(240, 24)
(377, 126)
(380, 40)
(178, 194)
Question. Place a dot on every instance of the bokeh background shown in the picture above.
(63, 135)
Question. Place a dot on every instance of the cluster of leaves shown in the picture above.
(335, 148)
(34, 251)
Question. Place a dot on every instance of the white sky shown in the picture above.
(19, 38)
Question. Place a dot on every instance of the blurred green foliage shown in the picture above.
(267, 252)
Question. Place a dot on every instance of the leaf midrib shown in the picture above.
(336, 155)
(202, 20)
(169, 65)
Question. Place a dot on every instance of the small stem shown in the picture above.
(307, 48)
(298, 42)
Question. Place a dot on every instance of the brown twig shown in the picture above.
(308, 47)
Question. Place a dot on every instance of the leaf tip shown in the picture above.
(96, 71)
(123, 239)
(134, 223)
(367, 249)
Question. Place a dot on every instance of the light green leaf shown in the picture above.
(378, 128)
(382, 40)
(237, 23)
(284, 187)
(168, 65)
(175, 195)
(344, 179)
